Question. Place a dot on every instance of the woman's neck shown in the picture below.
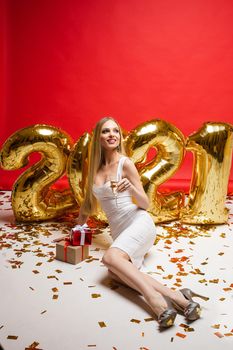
(111, 157)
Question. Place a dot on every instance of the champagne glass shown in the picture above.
(113, 184)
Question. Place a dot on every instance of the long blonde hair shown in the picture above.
(96, 160)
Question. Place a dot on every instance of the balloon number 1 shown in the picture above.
(212, 149)
(33, 200)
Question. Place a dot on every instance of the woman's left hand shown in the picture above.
(124, 185)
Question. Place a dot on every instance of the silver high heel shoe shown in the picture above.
(167, 317)
(193, 310)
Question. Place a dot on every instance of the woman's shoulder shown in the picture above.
(127, 163)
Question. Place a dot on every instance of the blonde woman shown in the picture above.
(132, 228)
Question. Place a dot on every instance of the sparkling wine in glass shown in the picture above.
(113, 184)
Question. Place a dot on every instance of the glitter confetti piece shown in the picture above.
(66, 283)
(181, 335)
(31, 288)
(219, 335)
(55, 296)
(12, 337)
(216, 326)
(58, 271)
(143, 334)
(231, 285)
(43, 312)
(179, 251)
(35, 271)
(149, 319)
(168, 277)
(221, 253)
(214, 280)
(189, 329)
(134, 320)
(202, 281)
(33, 346)
(227, 289)
(39, 264)
(183, 325)
(96, 295)
(102, 324)
(160, 268)
(55, 289)
(91, 286)
(228, 334)
(49, 277)
(91, 345)
(221, 299)
(172, 338)
(1, 327)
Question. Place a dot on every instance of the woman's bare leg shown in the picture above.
(118, 263)
(122, 269)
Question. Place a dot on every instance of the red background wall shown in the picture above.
(71, 62)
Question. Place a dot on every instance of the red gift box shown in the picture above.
(81, 236)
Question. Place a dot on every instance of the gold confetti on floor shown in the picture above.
(102, 324)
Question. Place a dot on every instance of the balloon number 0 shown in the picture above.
(33, 200)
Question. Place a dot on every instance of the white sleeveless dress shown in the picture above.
(132, 228)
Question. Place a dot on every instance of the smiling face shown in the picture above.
(110, 135)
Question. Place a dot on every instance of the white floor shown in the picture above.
(30, 312)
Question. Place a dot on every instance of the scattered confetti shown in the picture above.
(49, 277)
(12, 337)
(181, 335)
(102, 324)
(134, 320)
(33, 346)
(149, 319)
(216, 326)
(95, 295)
(219, 335)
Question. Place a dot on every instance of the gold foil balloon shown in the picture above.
(212, 150)
(77, 166)
(169, 143)
(32, 200)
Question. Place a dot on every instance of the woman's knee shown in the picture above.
(112, 256)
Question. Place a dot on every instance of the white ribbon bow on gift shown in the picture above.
(82, 229)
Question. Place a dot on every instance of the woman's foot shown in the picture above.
(162, 307)
(182, 301)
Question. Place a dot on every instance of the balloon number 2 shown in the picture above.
(33, 199)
